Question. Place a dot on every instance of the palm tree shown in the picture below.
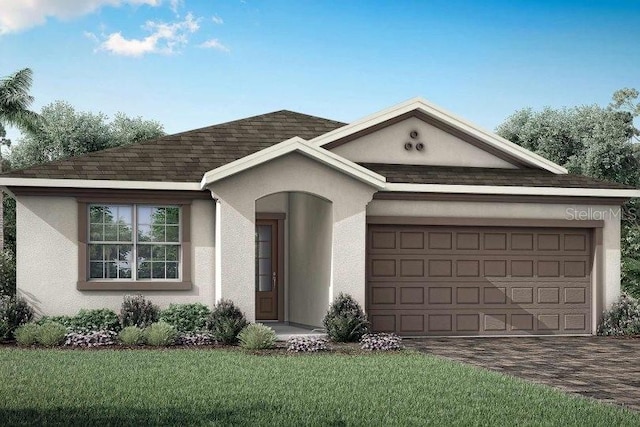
(14, 111)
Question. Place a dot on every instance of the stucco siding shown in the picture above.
(310, 258)
(47, 258)
(440, 148)
(609, 214)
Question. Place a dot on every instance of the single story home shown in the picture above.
(436, 226)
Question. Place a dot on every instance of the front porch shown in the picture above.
(285, 331)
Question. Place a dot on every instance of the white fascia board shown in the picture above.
(295, 144)
(98, 183)
(511, 190)
(438, 113)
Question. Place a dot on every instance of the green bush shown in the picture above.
(131, 335)
(225, 322)
(345, 321)
(186, 317)
(7, 273)
(51, 334)
(622, 319)
(138, 311)
(66, 321)
(101, 319)
(160, 334)
(27, 334)
(257, 336)
(14, 311)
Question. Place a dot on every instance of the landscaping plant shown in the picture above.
(225, 322)
(138, 311)
(381, 342)
(622, 319)
(51, 334)
(196, 339)
(14, 311)
(7, 272)
(306, 344)
(102, 319)
(160, 334)
(345, 321)
(90, 339)
(27, 334)
(131, 335)
(186, 317)
(257, 336)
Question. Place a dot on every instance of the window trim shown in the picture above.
(182, 284)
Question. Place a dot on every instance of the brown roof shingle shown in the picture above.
(425, 174)
(185, 157)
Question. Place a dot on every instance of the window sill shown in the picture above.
(133, 286)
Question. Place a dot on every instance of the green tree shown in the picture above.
(595, 141)
(66, 132)
(15, 101)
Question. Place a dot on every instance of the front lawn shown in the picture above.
(223, 387)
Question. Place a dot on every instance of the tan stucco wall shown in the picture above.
(610, 215)
(310, 258)
(294, 172)
(441, 148)
(47, 258)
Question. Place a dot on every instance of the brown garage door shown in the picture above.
(434, 280)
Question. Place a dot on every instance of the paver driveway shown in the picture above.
(604, 368)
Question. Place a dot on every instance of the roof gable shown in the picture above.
(295, 145)
(430, 113)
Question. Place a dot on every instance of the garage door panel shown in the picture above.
(475, 281)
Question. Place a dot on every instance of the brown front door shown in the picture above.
(266, 269)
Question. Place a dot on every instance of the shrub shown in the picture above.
(257, 336)
(7, 273)
(131, 335)
(225, 322)
(186, 317)
(345, 321)
(622, 319)
(14, 311)
(27, 334)
(306, 344)
(382, 342)
(95, 320)
(51, 334)
(66, 321)
(160, 334)
(138, 311)
(195, 339)
(90, 338)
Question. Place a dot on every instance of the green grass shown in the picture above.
(220, 387)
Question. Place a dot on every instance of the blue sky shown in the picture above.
(194, 63)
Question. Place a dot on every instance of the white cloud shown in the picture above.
(215, 44)
(165, 38)
(217, 20)
(175, 5)
(17, 15)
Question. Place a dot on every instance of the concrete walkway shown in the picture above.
(603, 368)
(285, 331)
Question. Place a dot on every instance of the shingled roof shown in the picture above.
(424, 174)
(185, 157)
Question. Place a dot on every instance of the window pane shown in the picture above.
(264, 249)
(96, 232)
(264, 233)
(158, 233)
(125, 215)
(159, 253)
(110, 214)
(173, 253)
(110, 233)
(95, 253)
(124, 233)
(172, 270)
(173, 215)
(144, 233)
(111, 270)
(264, 283)
(95, 270)
(95, 215)
(158, 216)
(157, 271)
(144, 252)
(265, 266)
(173, 233)
(110, 252)
(144, 270)
(124, 271)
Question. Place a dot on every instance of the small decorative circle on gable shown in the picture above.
(419, 146)
(408, 146)
(413, 134)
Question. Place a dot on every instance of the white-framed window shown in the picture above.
(134, 242)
